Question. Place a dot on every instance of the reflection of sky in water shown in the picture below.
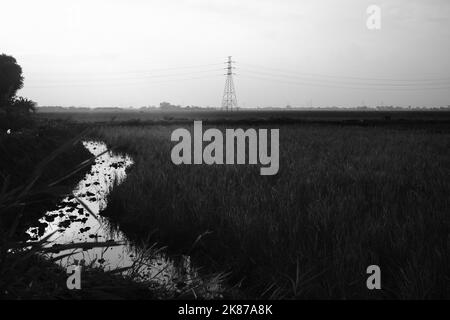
(74, 224)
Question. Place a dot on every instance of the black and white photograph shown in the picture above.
(224, 156)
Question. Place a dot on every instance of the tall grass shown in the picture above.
(344, 198)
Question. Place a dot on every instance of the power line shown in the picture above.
(229, 100)
(345, 83)
(94, 81)
(256, 67)
(131, 72)
(309, 84)
(120, 84)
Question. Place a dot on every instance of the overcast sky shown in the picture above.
(141, 52)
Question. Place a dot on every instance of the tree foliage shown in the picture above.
(14, 111)
(23, 105)
(11, 79)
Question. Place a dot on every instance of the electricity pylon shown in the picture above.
(229, 101)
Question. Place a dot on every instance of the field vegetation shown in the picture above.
(345, 197)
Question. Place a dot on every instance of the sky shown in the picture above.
(122, 53)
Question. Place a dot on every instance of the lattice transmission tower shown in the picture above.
(229, 101)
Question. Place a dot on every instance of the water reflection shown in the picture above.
(72, 223)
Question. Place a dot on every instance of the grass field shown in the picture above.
(345, 197)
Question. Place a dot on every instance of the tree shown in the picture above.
(23, 106)
(168, 106)
(11, 79)
(14, 111)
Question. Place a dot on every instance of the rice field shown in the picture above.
(345, 197)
